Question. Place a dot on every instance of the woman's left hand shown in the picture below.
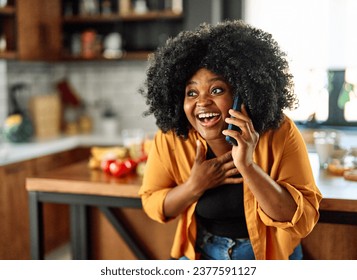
(247, 139)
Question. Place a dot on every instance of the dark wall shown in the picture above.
(232, 9)
(198, 11)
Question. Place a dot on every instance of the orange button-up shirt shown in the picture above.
(281, 153)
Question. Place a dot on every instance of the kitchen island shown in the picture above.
(327, 241)
(86, 190)
(21, 160)
(141, 238)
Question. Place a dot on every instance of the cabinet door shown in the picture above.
(8, 31)
(38, 29)
(14, 216)
(15, 243)
(46, 163)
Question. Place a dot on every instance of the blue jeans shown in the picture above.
(213, 247)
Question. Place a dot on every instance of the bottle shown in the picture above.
(2, 43)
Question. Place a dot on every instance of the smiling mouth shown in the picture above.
(208, 119)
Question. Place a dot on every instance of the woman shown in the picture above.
(254, 200)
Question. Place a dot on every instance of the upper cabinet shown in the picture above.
(86, 29)
(65, 30)
(118, 29)
(30, 30)
(7, 29)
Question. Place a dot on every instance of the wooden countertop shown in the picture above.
(338, 193)
(78, 178)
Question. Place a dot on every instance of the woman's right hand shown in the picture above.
(205, 174)
(208, 174)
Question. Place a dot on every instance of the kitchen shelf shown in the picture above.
(7, 31)
(8, 55)
(148, 16)
(84, 35)
(135, 55)
(25, 26)
(7, 10)
(51, 22)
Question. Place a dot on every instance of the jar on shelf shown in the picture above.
(89, 44)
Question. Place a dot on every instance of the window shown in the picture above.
(319, 39)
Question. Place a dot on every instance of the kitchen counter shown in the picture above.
(79, 187)
(16, 152)
(347, 138)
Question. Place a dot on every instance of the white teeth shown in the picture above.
(207, 115)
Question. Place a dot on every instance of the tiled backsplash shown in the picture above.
(114, 82)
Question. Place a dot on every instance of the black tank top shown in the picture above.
(221, 210)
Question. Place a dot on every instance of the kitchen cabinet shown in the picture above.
(65, 30)
(14, 241)
(117, 30)
(14, 227)
(107, 244)
(331, 242)
(7, 31)
(30, 30)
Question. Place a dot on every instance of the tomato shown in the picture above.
(105, 165)
(119, 168)
(131, 164)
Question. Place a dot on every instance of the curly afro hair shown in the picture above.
(249, 60)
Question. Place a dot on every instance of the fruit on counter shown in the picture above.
(93, 163)
(116, 161)
(120, 168)
(100, 154)
(105, 165)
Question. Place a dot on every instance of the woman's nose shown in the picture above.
(204, 100)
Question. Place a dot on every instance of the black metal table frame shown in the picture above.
(338, 217)
(79, 225)
(78, 204)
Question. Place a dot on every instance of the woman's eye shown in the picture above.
(217, 90)
(191, 93)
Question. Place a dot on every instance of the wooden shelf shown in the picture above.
(149, 16)
(141, 32)
(8, 55)
(134, 55)
(7, 10)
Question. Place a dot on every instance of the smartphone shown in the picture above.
(236, 107)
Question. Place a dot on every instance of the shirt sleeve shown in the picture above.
(157, 180)
(292, 170)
